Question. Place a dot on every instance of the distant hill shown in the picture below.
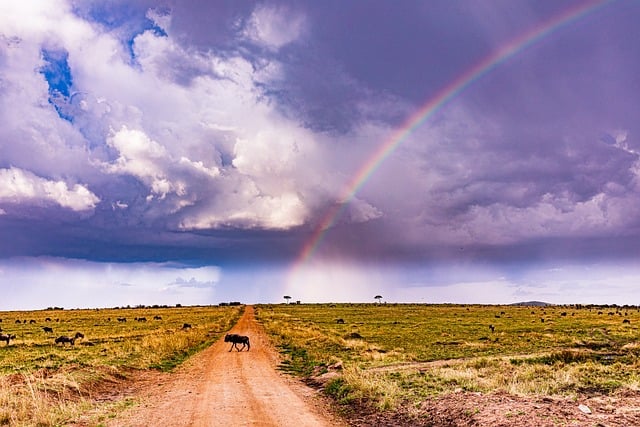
(532, 303)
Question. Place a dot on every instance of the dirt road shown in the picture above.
(221, 388)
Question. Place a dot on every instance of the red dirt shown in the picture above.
(218, 387)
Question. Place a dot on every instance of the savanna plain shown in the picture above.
(378, 364)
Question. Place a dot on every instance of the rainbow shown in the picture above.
(435, 103)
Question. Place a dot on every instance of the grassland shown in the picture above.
(388, 354)
(44, 384)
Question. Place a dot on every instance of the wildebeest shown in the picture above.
(238, 339)
(340, 321)
(626, 321)
(64, 339)
(7, 337)
(47, 329)
(493, 328)
(78, 335)
(186, 326)
(157, 317)
(122, 319)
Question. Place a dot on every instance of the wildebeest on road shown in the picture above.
(238, 339)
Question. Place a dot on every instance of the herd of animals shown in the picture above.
(62, 339)
(65, 339)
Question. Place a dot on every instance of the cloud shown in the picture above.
(274, 26)
(191, 283)
(120, 112)
(18, 186)
(194, 128)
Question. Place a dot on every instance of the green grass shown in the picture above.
(154, 343)
(43, 384)
(452, 348)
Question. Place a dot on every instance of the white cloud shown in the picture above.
(160, 18)
(193, 127)
(19, 186)
(274, 27)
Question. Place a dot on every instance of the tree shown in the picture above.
(378, 297)
(287, 297)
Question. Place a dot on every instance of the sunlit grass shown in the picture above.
(47, 384)
(399, 353)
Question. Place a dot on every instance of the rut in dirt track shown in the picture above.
(221, 388)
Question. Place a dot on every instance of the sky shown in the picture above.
(196, 151)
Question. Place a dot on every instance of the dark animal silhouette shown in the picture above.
(186, 326)
(340, 321)
(157, 317)
(78, 335)
(626, 321)
(493, 328)
(236, 339)
(122, 319)
(64, 339)
(7, 337)
(47, 329)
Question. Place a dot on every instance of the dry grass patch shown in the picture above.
(44, 384)
(406, 353)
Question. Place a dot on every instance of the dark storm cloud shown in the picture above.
(211, 131)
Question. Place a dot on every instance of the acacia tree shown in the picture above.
(287, 297)
(378, 297)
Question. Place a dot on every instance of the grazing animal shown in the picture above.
(542, 319)
(64, 339)
(78, 335)
(236, 339)
(141, 319)
(122, 319)
(626, 321)
(18, 321)
(493, 328)
(47, 329)
(157, 317)
(48, 319)
(31, 321)
(340, 321)
(7, 337)
(186, 326)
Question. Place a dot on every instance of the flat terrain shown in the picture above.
(376, 364)
(218, 387)
(456, 365)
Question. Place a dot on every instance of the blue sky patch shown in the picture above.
(57, 73)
